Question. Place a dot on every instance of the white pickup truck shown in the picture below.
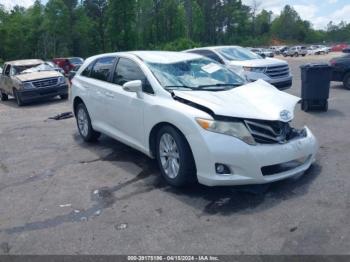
(249, 65)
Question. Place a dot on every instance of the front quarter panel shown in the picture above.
(168, 110)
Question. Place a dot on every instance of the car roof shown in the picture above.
(214, 47)
(162, 57)
(26, 62)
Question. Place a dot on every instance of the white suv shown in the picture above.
(249, 64)
(199, 120)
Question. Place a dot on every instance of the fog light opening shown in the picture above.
(222, 169)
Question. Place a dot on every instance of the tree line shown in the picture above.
(87, 27)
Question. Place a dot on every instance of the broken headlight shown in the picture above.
(235, 129)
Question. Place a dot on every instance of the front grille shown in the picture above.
(272, 132)
(278, 71)
(46, 82)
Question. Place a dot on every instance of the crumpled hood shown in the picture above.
(257, 100)
(259, 62)
(37, 75)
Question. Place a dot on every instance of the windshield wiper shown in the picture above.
(175, 87)
(201, 87)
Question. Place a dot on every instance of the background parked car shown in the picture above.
(295, 51)
(55, 67)
(339, 47)
(73, 72)
(263, 52)
(67, 64)
(341, 70)
(28, 80)
(250, 65)
(346, 50)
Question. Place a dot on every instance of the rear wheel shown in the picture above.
(84, 124)
(174, 157)
(17, 97)
(3, 96)
(296, 54)
(325, 106)
(346, 81)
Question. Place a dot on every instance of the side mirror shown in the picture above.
(263, 56)
(134, 86)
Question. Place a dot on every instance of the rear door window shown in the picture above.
(101, 70)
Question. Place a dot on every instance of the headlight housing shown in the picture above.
(236, 129)
(61, 80)
(27, 86)
(255, 69)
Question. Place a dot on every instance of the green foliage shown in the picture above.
(179, 45)
(86, 27)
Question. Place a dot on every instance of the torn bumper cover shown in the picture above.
(42, 93)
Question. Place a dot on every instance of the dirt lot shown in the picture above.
(61, 196)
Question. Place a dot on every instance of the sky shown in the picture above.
(318, 12)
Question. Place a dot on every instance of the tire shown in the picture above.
(296, 54)
(325, 106)
(284, 55)
(18, 98)
(303, 55)
(305, 105)
(3, 96)
(84, 124)
(346, 81)
(181, 169)
(64, 97)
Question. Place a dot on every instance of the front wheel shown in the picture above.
(84, 124)
(3, 96)
(174, 157)
(17, 97)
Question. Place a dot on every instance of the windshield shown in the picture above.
(16, 70)
(237, 53)
(196, 74)
(38, 68)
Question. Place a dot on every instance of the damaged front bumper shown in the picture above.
(251, 164)
(42, 93)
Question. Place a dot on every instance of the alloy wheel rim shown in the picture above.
(83, 122)
(169, 155)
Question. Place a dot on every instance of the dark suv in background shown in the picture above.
(341, 70)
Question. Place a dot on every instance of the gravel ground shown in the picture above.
(62, 196)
